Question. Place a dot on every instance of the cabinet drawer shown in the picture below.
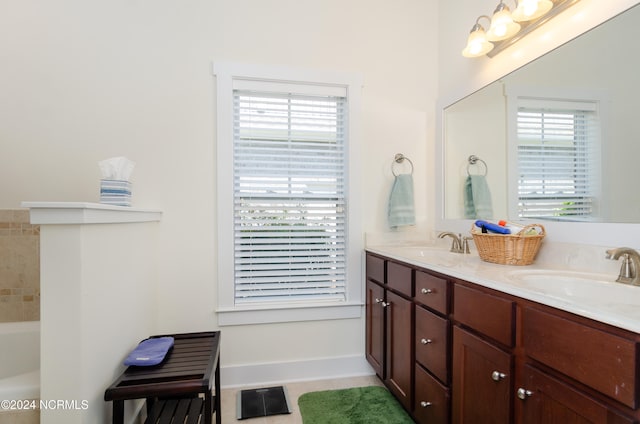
(399, 278)
(488, 314)
(431, 343)
(431, 291)
(375, 269)
(431, 399)
(596, 358)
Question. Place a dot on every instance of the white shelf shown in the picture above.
(46, 213)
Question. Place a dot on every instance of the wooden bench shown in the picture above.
(186, 385)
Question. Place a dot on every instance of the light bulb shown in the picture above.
(502, 25)
(529, 10)
(477, 43)
(475, 48)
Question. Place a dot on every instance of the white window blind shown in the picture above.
(289, 176)
(558, 145)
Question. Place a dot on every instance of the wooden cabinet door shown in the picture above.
(481, 385)
(375, 327)
(542, 399)
(399, 360)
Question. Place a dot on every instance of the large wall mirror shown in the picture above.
(602, 64)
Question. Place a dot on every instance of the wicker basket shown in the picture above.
(508, 249)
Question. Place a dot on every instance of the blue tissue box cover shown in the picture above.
(149, 352)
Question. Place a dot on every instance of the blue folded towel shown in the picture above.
(149, 352)
(477, 198)
(401, 209)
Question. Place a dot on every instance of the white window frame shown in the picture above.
(228, 312)
(515, 92)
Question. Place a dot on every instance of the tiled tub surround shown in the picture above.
(435, 255)
(19, 267)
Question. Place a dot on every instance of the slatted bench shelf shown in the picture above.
(173, 411)
(183, 385)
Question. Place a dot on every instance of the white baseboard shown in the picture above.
(281, 372)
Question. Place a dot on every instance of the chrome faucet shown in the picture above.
(456, 241)
(465, 244)
(630, 264)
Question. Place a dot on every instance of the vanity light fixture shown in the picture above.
(506, 27)
(502, 24)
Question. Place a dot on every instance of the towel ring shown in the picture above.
(473, 160)
(399, 158)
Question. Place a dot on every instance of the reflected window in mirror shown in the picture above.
(556, 143)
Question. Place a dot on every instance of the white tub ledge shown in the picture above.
(51, 213)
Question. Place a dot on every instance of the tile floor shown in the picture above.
(228, 400)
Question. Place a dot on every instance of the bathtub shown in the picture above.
(20, 360)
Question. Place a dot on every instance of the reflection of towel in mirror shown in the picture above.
(477, 198)
(401, 209)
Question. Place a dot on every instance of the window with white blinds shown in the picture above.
(289, 227)
(558, 151)
(289, 177)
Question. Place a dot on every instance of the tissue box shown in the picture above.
(115, 192)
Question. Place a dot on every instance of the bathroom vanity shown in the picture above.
(457, 340)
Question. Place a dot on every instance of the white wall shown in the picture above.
(85, 80)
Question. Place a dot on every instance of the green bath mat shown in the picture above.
(360, 405)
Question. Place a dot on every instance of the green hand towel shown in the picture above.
(401, 208)
(477, 198)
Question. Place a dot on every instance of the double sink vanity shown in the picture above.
(458, 340)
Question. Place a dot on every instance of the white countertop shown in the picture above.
(622, 311)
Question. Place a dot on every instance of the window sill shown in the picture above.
(288, 313)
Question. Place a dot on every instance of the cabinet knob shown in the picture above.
(497, 375)
(524, 393)
(424, 404)
(378, 300)
(426, 291)
(425, 341)
(385, 304)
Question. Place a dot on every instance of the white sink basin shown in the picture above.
(430, 254)
(586, 287)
